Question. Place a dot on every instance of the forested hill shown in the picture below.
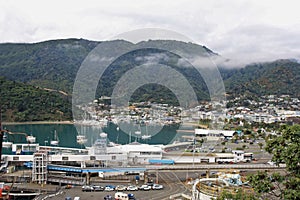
(22, 102)
(27, 69)
(50, 64)
(277, 77)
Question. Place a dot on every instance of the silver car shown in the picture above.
(132, 188)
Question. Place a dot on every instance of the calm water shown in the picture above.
(67, 133)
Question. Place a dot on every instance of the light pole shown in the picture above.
(193, 151)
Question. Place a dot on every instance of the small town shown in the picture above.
(237, 111)
(149, 100)
(228, 154)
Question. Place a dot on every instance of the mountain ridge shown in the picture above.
(53, 64)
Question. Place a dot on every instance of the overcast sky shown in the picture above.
(245, 31)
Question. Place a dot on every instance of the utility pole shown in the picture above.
(193, 151)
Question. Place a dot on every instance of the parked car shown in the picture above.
(121, 196)
(109, 188)
(131, 197)
(120, 188)
(150, 183)
(98, 188)
(145, 187)
(132, 188)
(157, 187)
(87, 188)
(108, 197)
(68, 186)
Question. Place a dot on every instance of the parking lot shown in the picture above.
(140, 194)
(171, 182)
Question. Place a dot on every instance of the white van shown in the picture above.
(121, 196)
(76, 198)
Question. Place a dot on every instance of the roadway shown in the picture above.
(173, 184)
(260, 166)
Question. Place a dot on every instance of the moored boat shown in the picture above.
(30, 139)
(55, 142)
(7, 144)
(81, 139)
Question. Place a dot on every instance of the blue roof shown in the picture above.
(87, 170)
(152, 161)
(65, 169)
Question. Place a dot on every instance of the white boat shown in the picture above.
(138, 132)
(54, 142)
(7, 144)
(145, 137)
(81, 139)
(30, 139)
(112, 144)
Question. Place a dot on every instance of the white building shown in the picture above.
(190, 158)
(235, 157)
(214, 134)
(138, 153)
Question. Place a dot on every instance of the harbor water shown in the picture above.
(67, 133)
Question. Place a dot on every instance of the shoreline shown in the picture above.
(38, 122)
(73, 123)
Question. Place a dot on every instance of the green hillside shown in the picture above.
(278, 77)
(21, 102)
(53, 64)
(128, 61)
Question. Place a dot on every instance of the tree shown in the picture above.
(268, 186)
(285, 149)
(239, 195)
